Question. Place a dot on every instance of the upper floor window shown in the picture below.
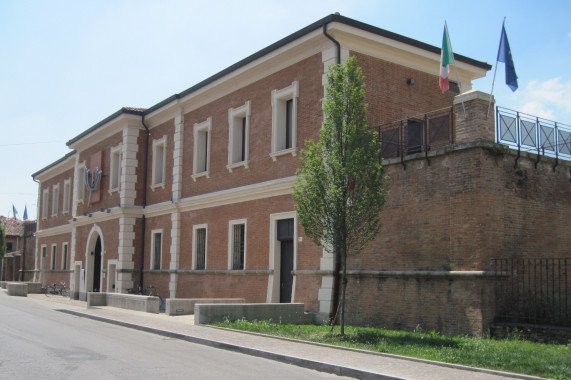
(199, 247)
(45, 200)
(55, 200)
(284, 120)
(156, 246)
(159, 162)
(239, 125)
(201, 154)
(66, 196)
(115, 168)
(9, 247)
(237, 244)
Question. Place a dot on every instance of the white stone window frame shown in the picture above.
(55, 199)
(279, 100)
(235, 117)
(115, 169)
(159, 167)
(80, 182)
(153, 252)
(66, 196)
(64, 255)
(53, 257)
(199, 149)
(231, 225)
(45, 203)
(195, 228)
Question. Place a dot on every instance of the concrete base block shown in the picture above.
(124, 301)
(34, 287)
(185, 306)
(19, 289)
(278, 312)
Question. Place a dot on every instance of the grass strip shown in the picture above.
(512, 354)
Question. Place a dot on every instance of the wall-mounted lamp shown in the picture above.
(410, 81)
(108, 210)
(74, 219)
(89, 215)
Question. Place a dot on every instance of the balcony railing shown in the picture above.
(417, 134)
(533, 134)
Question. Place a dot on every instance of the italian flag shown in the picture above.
(446, 59)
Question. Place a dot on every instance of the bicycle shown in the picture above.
(56, 289)
(137, 290)
(152, 292)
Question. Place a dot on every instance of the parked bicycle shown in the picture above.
(56, 289)
(152, 292)
(135, 290)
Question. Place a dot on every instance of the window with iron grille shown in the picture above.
(199, 247)
(64, 258)
(156, 245)
(54, 254)
(237, 245)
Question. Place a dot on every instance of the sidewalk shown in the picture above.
(341, 361)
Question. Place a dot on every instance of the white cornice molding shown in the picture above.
(107, 130)
(54, 231)
(282, 186)
(399, 52)
(60, 168)
(279, 59)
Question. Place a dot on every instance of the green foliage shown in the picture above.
(340, 190)
(2, 241)
(512, 354)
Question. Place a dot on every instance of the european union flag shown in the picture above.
(505, 56)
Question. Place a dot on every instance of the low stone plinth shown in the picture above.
(34, 287)
(292, 313)
(19, 289)
(185, 306)
(124, 301)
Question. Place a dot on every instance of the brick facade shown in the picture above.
(448, 212)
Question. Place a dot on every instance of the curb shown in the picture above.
(300, 362)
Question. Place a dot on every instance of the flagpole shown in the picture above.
(455, 68)
(494, 80)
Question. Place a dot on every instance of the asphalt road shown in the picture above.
(40, 343)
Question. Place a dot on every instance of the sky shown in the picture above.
(66, 65)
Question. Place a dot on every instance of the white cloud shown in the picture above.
(550, 99)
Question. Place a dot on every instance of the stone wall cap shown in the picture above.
(472, 95)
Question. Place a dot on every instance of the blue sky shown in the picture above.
(66, 65)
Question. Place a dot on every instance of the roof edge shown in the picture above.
(123, 110)
(53, 164)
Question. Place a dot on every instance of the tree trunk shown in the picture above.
(344, 286)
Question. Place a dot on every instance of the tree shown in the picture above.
(339, 190)
(2, 248)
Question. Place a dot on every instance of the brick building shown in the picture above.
(18, 261)
(193, 195)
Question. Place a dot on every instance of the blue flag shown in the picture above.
(505, 56)
(25, 212)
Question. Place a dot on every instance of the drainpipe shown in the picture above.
(145, 179)
(337, 269)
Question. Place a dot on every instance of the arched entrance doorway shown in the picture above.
(94, 260)
(97, 266)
